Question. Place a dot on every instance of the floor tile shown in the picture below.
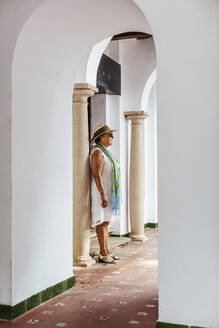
(124, 295)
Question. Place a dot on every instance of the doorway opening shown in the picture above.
(123, 74)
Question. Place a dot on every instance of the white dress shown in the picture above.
(98, 213)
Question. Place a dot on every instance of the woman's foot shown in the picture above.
(106, 259)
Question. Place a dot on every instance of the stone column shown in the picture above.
(81, 176)
(137, 189)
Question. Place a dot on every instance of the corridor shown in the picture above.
(120, 295)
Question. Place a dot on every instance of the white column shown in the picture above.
(81, 175)
(137, 189)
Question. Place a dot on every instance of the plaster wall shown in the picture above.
(138, 60)
(188, 159)
(124, 162)
(112, 50)
(150, 146)
(98, 111)
(148, 104)
(12, 14)
(112, 119)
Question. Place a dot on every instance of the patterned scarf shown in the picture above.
(116, 193)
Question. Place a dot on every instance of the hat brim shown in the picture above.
(93, 139)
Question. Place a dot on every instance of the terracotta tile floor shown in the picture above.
(120, 295)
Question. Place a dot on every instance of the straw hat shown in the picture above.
(99, 131)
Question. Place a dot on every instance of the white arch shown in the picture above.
(52, 52)
(147, 90)
(94, 60)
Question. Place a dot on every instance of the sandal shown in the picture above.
(114, 257)
(106, 259)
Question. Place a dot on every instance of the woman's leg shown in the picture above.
(106, 238)
(101, 235)
(115, 257)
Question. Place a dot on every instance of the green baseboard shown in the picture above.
(8, 312)
(146, 225)
(151, 225)
(125, 235)
(160, 324)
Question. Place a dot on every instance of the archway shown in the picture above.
(46, 64)
(137, 60)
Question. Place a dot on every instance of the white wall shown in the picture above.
(9, 17)
(112, 119)
(138, 60)
(98, 111)
(42, 179)
(112, 50)
(150, 146)
(187, 41)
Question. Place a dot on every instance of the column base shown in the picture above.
(136, 237)
(83, 261)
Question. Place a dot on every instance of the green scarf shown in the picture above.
(116, 178)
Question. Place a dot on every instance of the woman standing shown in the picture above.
(105, 188)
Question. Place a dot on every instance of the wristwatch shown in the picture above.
(102, 192)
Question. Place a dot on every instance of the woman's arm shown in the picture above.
(97, 164)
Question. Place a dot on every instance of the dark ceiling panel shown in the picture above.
(109, 76)
(131, 35)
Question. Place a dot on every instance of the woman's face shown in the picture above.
(107, 139)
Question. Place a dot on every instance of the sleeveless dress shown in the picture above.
(98, 213)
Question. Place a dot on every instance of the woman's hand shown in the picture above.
(104, 200)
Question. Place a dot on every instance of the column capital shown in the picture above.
(138, 115)
(82, 91)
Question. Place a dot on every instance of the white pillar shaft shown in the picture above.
(137, 175)
(137, 180)
(81, 176)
